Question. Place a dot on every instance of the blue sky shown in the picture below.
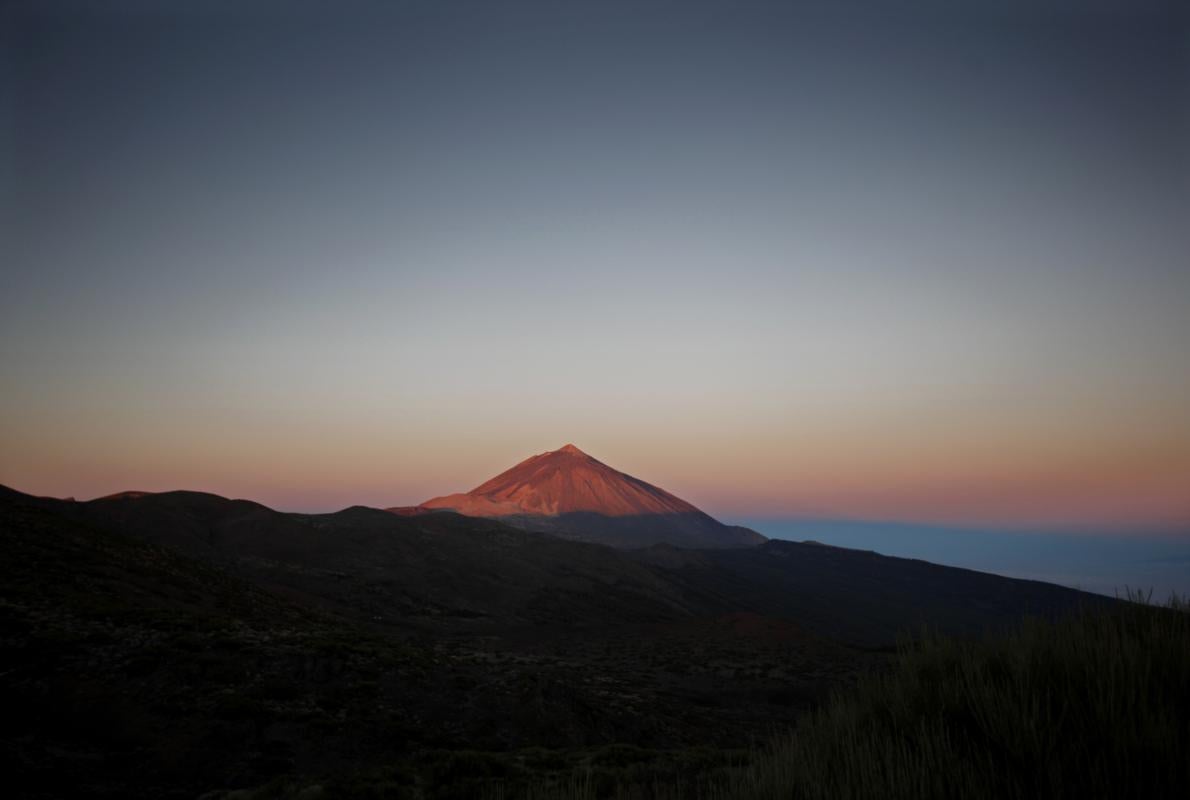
(913, 262)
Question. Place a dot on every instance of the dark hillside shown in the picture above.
(855, 595)
(470, 573)
(167, 645)
(389, 569)
(132, 670)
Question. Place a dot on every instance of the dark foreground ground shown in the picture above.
(196, 647)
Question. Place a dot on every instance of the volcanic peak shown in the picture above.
(563, 481)
(567, 492)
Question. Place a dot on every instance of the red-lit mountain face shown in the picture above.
(563, 481)
(569, 493)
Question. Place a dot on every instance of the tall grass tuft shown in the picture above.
(1093, 705)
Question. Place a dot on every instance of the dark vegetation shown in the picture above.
(1096, 704)
(185, 645)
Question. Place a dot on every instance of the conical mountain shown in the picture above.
(571, 494)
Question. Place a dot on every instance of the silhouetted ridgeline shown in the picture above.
(444, 568)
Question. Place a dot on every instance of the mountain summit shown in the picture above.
(563, 481)
(568, 493)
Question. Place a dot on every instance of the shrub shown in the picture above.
(1093, 705)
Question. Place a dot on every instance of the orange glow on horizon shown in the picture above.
(1115, 489)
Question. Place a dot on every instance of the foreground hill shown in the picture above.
(568, 493)
(134, 670)
(168, 645)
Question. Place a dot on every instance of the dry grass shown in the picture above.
(1093, 705)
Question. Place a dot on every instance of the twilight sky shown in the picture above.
(922, 263)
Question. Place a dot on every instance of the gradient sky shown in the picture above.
(893, 261)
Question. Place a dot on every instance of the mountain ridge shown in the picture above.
(445, 571)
